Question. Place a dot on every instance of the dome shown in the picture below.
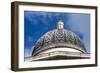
(59, 37)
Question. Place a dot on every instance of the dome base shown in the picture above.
(58, 55)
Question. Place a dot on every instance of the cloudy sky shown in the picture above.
(37, 23)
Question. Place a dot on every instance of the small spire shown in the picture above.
(60, 24)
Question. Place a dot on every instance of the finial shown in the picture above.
(60, 24)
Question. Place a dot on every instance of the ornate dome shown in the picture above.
(56, 38)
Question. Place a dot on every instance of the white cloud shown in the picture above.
(27, 52)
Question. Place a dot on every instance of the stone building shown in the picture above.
(59, 44)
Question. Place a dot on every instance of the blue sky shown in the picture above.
(36, 23)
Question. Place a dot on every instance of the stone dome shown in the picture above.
(58, 38)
